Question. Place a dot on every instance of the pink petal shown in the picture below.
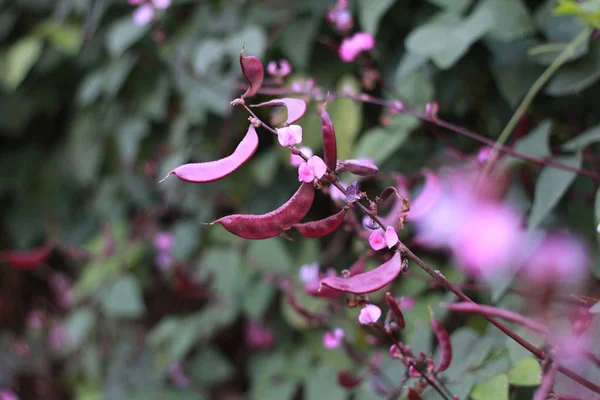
(391, 237)
(297, 160)
(295, 108)
(318, 166)
(305, 173)
(369, 314)
(143, 15)
(376, 241)
(161, 4)
(296, 133)
(285, 68)
(428, 198)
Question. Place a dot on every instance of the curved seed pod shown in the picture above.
(386, 193)
(295, 108)
(396, 310)
(443, 339)
(359, 167)
(214, 170)
(322, 227)
(358, 267)
(317, 290)
(329, 141)
(497, 312)
(253, 71)
(413, 394)
(429, 196)
(369, 281)
(28, 259)
(347, 380)
(272, 224)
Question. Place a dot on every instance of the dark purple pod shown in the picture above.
(347, 380)
(359, 167)
(295, 108)
(253, 71)
(329, 141)
(27, 259)
(443, 339)
(322, 227)
(272, 224)
(413, 394)
(214, 170)
(369, 281)
(395, 310)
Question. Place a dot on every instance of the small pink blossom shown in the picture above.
(161, 4)
(290, 135)
(8, 395)
(376, 241)
(333, 339)
(336, 194)
(280, 71)
(57, 337)
(143, 15)
(407, 302)
(353, 46)
(431, 109)
(164, 241)
(297, 160)
(483, 154)
(340, 16)
(164, 260)
(309, 273)
(312, 169)
(369, 314)
(391, 237)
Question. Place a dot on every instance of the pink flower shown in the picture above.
(335, 193)
(161, 4)
(297, 160)
(143, 15)
(57, 337)
(431, 109)
(369, 314)
(8, 395)
(163, 241)
(351, 47)
(333, 339)
(341, 16)
(178, 377)
(391, 237)
(376, 241)
(283, 70)
(312, 169)
(290, 135)
(309, 273)
(407, 302)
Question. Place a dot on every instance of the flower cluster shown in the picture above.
(341, 16)
(146, 10)
(351, 47)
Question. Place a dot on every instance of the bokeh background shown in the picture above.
(139, 298)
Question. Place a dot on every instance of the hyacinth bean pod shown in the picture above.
(295, 108)
(347, 380)
(369, 281)
(28, 259)
(322, 227)
(253, 72)
(443, 339)
(413, 394)
(214, 170)
(272, 224)
(395, 310)
(358, 167)
(329, 141)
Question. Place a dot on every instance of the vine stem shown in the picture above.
(442, 279)
(533, 91)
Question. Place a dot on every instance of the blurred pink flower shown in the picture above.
(161, 4)
(178, 377)
(352, 46)
(376, 241)
(281, 69)
(369, 314)
(164, 260)
(36, 319)
(8, 395)
(297, 160)
(290, 135)
(143, 15)
(309, 273)
(163, 241)
(391, 237)
(333, 339)
(340, 16)
(62, 288)
(259, 336)
(57, 337)
(312, 169)
(335, 193)
(406, 302)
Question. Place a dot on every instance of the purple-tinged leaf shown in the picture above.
(274, 223)
(322, 227)
(214, 170)
(295, 108)
(427, 199)
(329, 141)
(359, 167)
(253, 71)
(369, 281)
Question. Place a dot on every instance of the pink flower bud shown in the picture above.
(290, 135)
(431, 109)
(161, 4)
(369, 314)
(376, 241)
(313, 169)
(163, 241)
(351, 47)
(143, 15)
(297, 160)
(333, 339)
(391, 237)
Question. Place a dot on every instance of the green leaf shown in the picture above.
(78, 326)
(206, 54)
(129, 137)
(416, 88)
(581, 141)
(21, 57)
(296, 40)
(220, 368)
(551, 185)
(511, 20)
(66, 38)
(578, 75)
(380, 143)
(597, 208)
(370, 12)
(346, 115)
(270, 255)
(526, 373)
(494, 389)
(319, 385)
(537, 142)
(122, 34)
(456, 6)
(124, 299)
(186, 238)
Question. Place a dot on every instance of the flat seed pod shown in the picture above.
(295, 108)
(323, 292)
(214, 170)
(347, 380)
(253, 71)
(322, 227)
(264, 226)
(369, 281)
(329, 141)
(359, 167)
(28, 259)
(443, 339)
